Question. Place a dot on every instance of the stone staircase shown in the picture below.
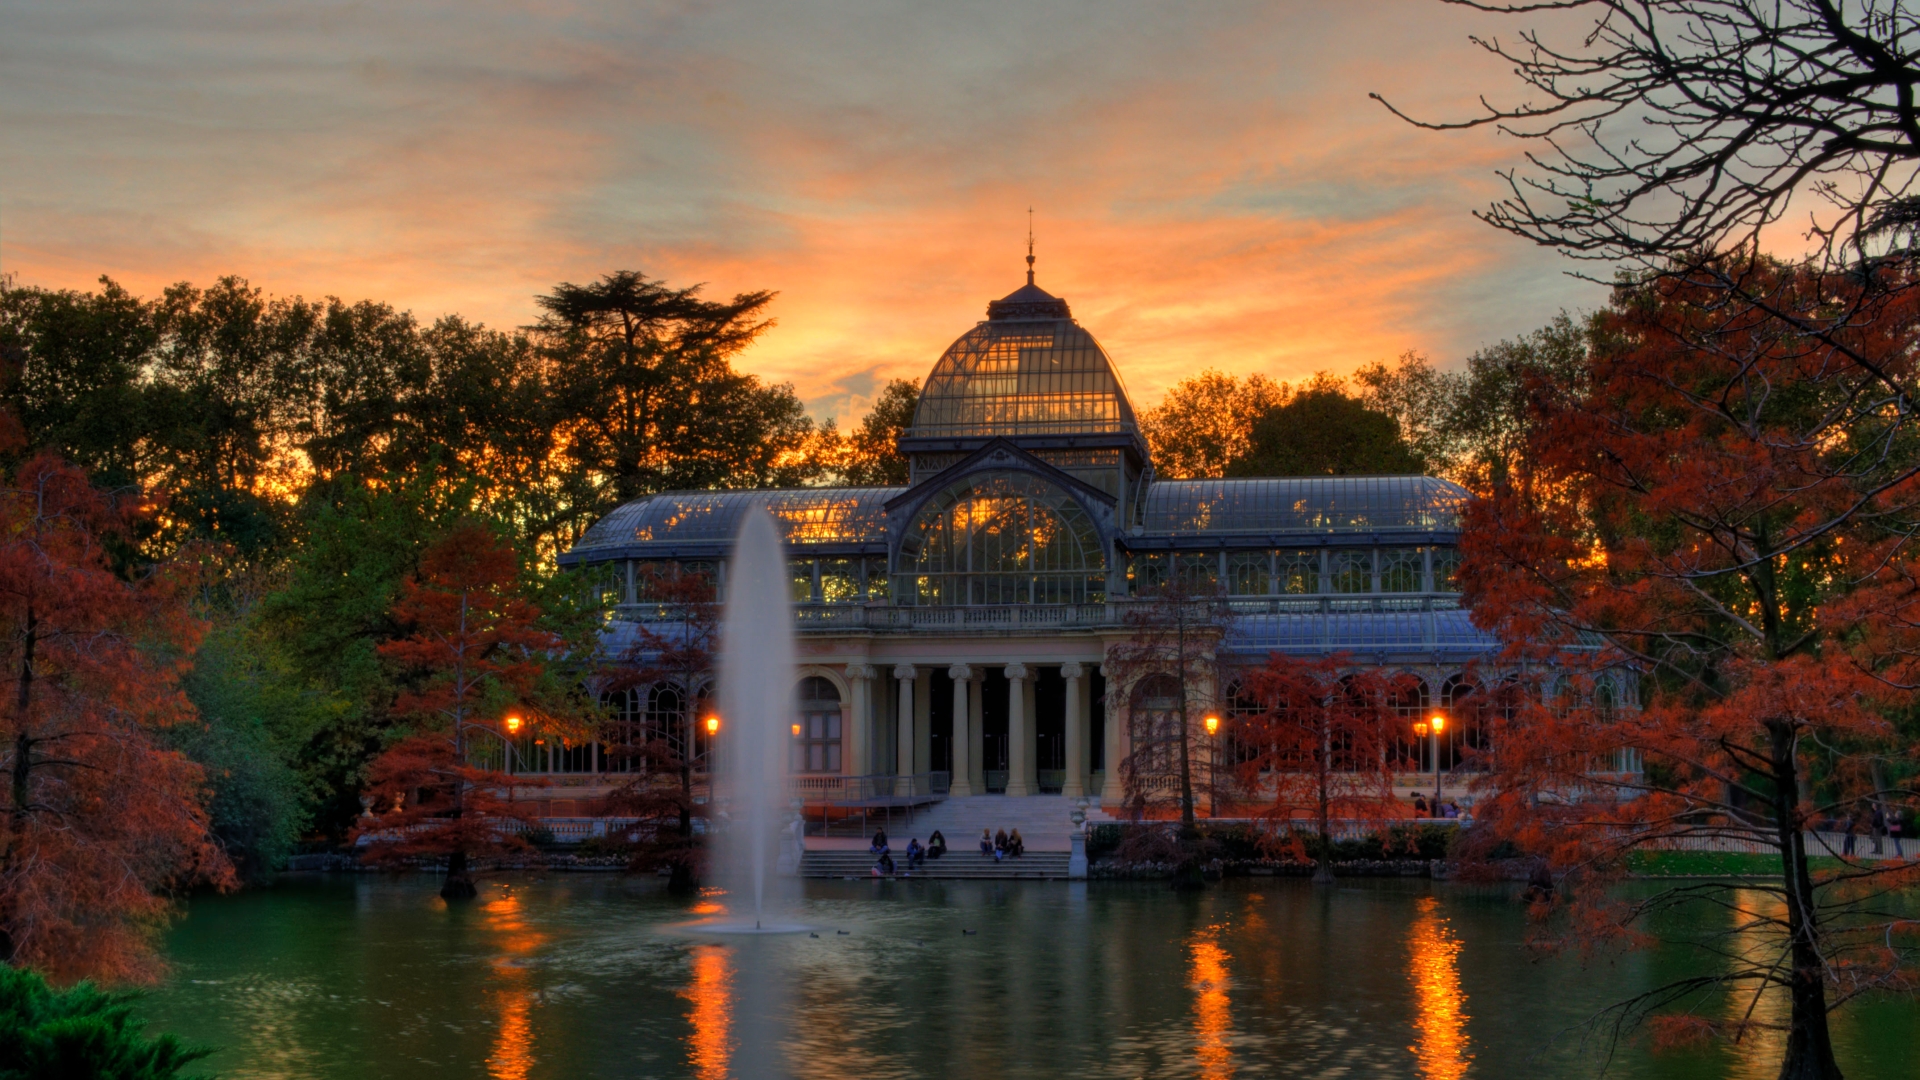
(1033, 866)
(1043, 821)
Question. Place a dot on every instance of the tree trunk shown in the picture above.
(1186, 770)
(1323, 866)
(459, 883)
(20, 778)
(682, 880)
(1809, 1053)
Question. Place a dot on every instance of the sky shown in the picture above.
(1211, 186)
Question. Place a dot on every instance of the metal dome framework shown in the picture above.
(1023, 377)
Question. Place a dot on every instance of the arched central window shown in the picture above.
(1001, 538)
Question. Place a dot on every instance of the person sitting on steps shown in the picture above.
(999, 844)
(915, 853)
(986, 841)
(879, 842)
(1016, 847)
(936, 845)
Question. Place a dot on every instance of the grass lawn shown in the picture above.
(1714, 864)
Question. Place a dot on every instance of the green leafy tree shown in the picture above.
(873, 455)
(1324, 432)
(650, 400)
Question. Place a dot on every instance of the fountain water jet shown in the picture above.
(756, 707)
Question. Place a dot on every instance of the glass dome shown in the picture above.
(1000, 538)
(1029, 369)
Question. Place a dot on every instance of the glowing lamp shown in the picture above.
(513, 723)
(1213, 724)
(796, 731)
(713, 725)
(1439, 722)
(1420, 730)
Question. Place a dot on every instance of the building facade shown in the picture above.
(963, 627)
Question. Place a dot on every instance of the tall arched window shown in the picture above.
(1409, 751)
(816, 746)
(1001, 538)
(1155, 734)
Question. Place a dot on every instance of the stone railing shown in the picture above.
(1002, 618)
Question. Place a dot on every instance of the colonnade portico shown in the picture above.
(979, 729)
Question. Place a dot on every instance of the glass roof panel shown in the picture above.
(1023, 377)
(1330, 504)
(1450, 631)
(805, 515)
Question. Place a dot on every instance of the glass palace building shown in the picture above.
(961, 626)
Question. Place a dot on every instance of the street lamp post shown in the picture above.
(1438, 721)
(1213, 764)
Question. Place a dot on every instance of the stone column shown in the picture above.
(859, 735)
(977, 732)
(1020, 776)
(903, 735)
(923, 721)
(1075, 784)
(962, 739)
(1112, 793)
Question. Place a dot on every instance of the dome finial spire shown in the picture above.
(1029, 245)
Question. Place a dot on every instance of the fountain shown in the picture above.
(756, 706)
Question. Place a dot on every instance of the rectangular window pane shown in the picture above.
(1199, 572)
(1299, 572)
(876, 577)
(800, 575)
(1446, 569)
(1146, 571)
(1248, 573)
(839, 581)
(1400, 569)
(1352, 571)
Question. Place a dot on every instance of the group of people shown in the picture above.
(883, 864)
(1002, 844)
(1880, 827)
(998, 845)
(1436, 809)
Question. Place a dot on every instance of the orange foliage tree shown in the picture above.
(98, 819)
(478, 645)
(1318, 744)
(1716, 520)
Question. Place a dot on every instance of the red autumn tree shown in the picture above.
(97, 819)
(1318, 744)
(1716, 520)
(478, 646)
(667, 669)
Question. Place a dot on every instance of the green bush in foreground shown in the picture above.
(82, 1033)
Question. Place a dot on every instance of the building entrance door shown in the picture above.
(993, 730)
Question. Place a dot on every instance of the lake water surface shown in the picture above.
(587, 976)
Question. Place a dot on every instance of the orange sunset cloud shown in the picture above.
(1211, 185)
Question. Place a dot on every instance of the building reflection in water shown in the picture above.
(1440, 1008)
(1759, 1019)
(1212, 1010)
(512, 1056)
(710, 991)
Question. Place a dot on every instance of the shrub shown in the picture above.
(82, 1033)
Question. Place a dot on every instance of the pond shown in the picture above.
(587, 976)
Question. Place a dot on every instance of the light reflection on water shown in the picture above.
(1440, 1006)
(583, 977)
(710, 991)
(1212, 1011)
(516, 942)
